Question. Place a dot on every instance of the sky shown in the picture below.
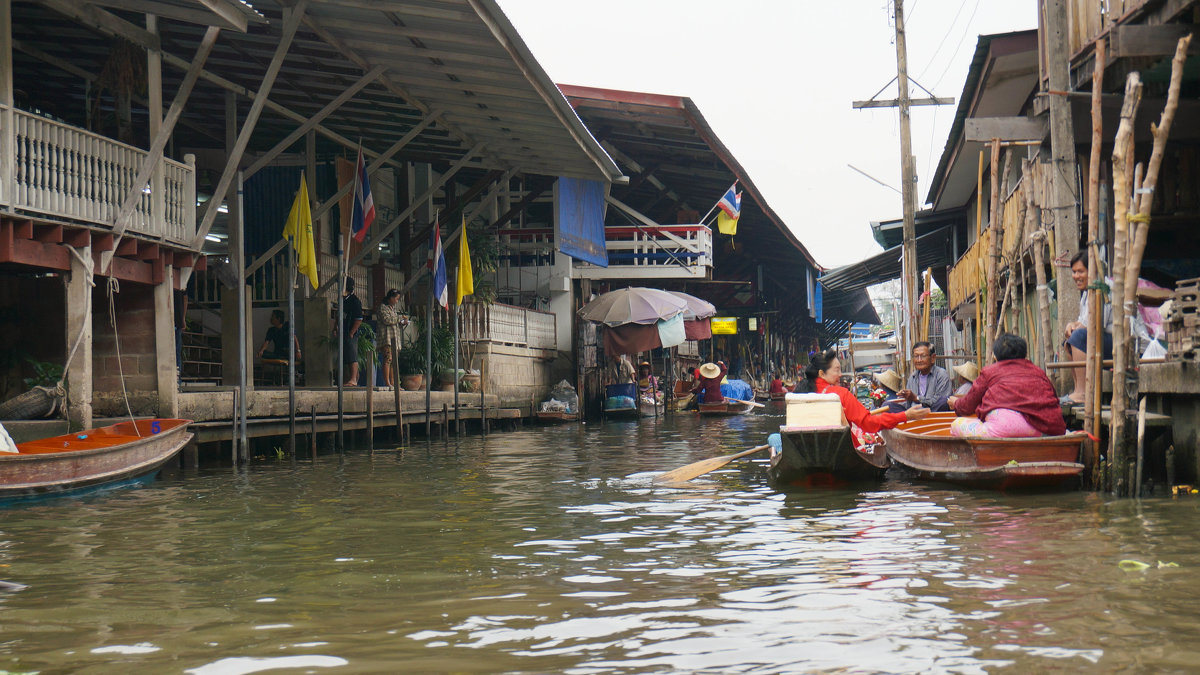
(775, 79)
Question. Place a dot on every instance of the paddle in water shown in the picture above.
(697, 469)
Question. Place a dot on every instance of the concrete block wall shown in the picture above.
(134, 310)
(515, 374)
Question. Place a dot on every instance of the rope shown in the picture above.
(114, 287)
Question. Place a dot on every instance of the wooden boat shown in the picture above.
(556, 416)
(92, 457)
(649, 408)
(926, 447)
(778, 395)
(822, 456)
(727, 408)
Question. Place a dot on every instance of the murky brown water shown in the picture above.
(535, 551)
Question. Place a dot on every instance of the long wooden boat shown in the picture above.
(727, 408)
(778, 395)
(92, 457)
(556, 416)
(926, 447)
(815, 456)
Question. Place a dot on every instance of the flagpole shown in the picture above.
(291, 346)
(714, 206)
(341, 350)
(429, 328)
(457, 307)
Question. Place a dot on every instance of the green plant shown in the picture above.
(411, 360)
(46, 374)
(365, 339)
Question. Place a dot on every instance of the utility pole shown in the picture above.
(1062, 152)
(908, 185)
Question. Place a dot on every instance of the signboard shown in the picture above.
(723, 325)
(752, 324)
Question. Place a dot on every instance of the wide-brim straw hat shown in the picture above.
(889, 379)
(967, 371)
(710, 370)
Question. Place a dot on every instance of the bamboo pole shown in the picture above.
(1038, 238)
(370, 374)
(1091, 404)
(1122, 188)
(993, 261)
(395, 347)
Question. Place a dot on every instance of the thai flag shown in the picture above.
(364, 205)
(731, 202)
(437, 267)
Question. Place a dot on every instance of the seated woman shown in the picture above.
(709, 382)
(965, 375)
(821, 377)
(647, 384)
(891, 385)
(777, 385)
(277, 338)
(1013, 398)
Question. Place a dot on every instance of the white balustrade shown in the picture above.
(68, 172)
(509, 325)
(664, 252)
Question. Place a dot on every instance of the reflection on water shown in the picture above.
(548, 550)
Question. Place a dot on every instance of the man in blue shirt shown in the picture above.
(929, 385)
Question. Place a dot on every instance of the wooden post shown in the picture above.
(993, 261)
(233, 439)
(445, 423)
(1062, 144)
(907, 181)
(1122, 188)
(395, 347)
(483, 421)
(312, 434)
(1091, 399)
(370, 375)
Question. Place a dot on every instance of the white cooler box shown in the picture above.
(805, 411)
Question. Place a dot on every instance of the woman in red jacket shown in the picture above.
(1012, 398)
(821, 376)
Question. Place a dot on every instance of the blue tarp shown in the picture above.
(737, 389)
(579, 220)
(819, 302)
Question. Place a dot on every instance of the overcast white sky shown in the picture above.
(775, 79)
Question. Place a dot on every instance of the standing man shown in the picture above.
(352, 316)
(929, 385)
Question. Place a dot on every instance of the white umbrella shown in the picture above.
(633, 305)
(697, 308)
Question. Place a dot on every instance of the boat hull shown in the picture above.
(822, 456)
(92, 457)
(926, 448)
(726, 408)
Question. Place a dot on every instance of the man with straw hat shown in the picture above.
(709, 382)
(890, 382)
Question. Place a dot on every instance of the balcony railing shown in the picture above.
(668, 251)
(508, 325)
(66, 172)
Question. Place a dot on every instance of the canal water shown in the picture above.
(548, 550)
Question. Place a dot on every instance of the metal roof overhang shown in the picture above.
(933, 250)
(1002, 77)
(460, 57)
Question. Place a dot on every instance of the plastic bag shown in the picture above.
(564, 392)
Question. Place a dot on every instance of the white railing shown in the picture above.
(327, 268)
(663, 252)
(509, 325)
(64, 171)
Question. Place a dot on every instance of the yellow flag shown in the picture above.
(466, 280)
(299, 227)
(725, 224)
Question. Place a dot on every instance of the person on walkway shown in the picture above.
(966, 373)
(1077, 331)
(391, 323)
(709, 382)
(822, 375)
(274, 346)
(929, 385)
(352, 318)
(1012, 398)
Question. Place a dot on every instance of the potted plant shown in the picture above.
(443, 357)
(411, 362)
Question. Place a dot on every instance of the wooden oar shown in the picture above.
(756, 404)
(697, 469)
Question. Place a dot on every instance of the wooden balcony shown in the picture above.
(66, 173)
(506, 324)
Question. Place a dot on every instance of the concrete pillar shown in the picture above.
(319, 348)
(79, 317)
(229, 339)
(562, 301)
(164, 345)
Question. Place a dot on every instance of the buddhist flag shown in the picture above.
(300, 229)
(725, 224)
(466, 279)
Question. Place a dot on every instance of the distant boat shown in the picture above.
(556, 416)
(926, 447)
(869, 353)
(91, 457)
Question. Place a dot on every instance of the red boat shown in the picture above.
(727, 408)
(92, 457)
(926, 447)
